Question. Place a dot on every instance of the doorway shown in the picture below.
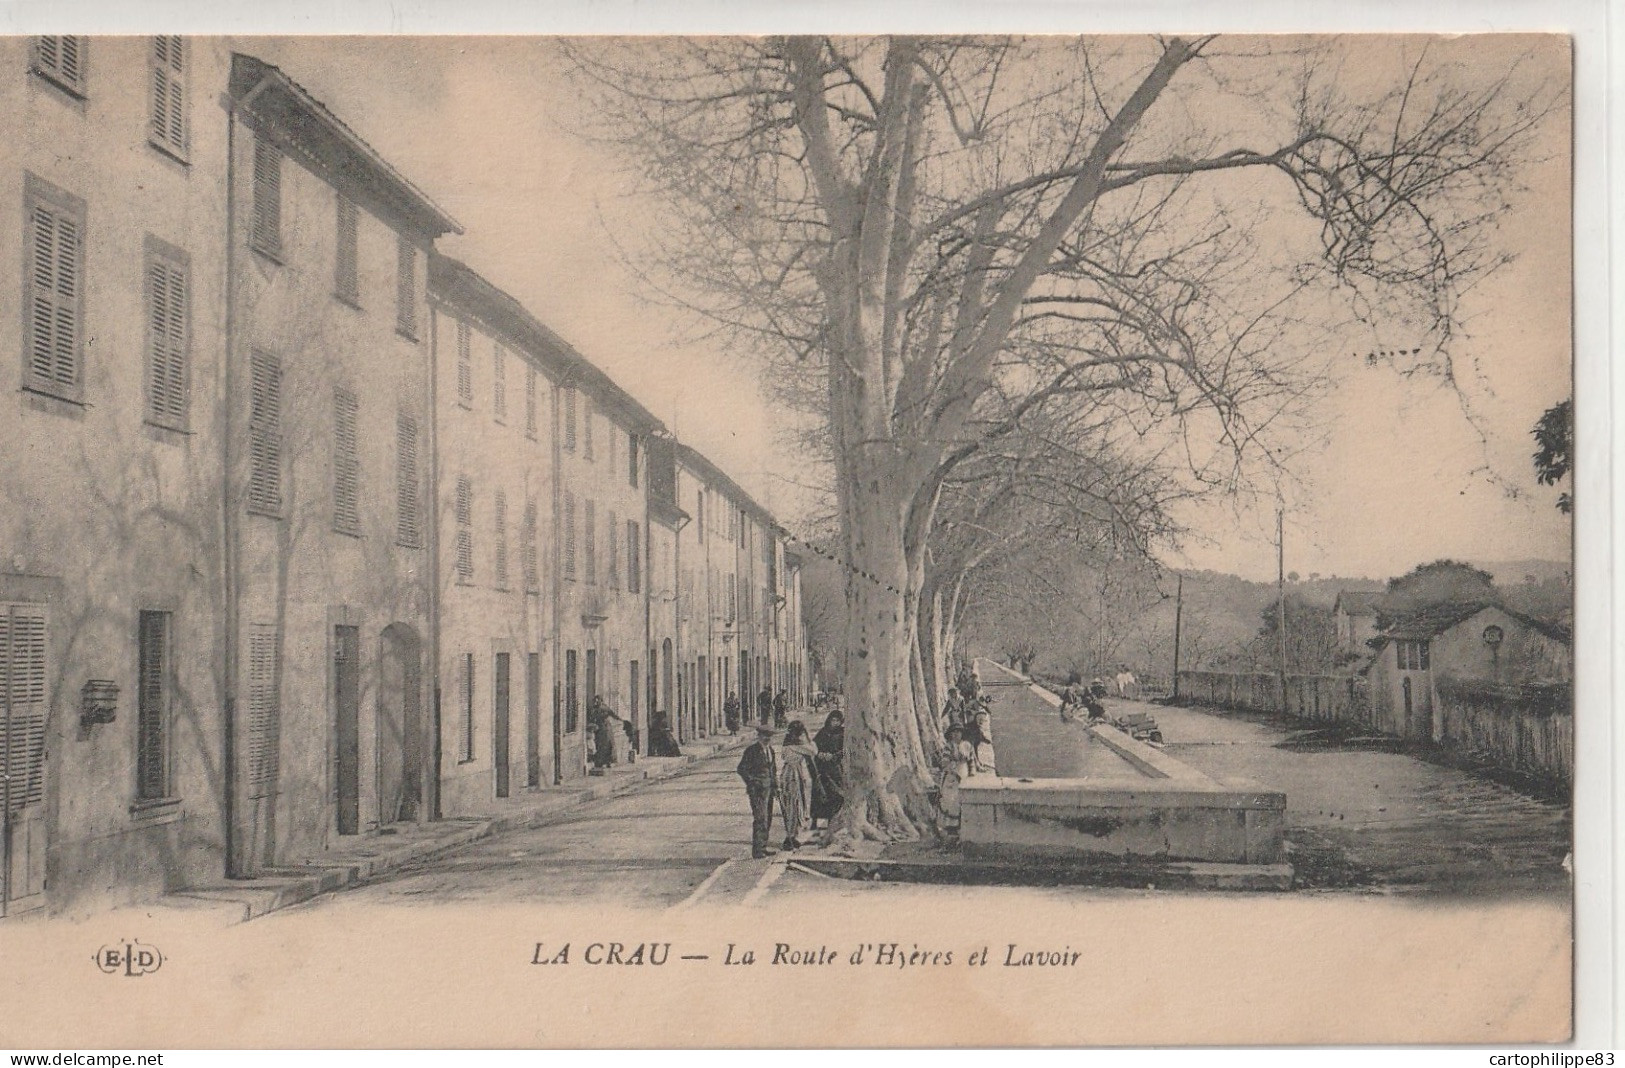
(501, 724)
(347, 727)
(533, 720)
(400, 733)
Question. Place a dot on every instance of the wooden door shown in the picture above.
(500, 727)
(347, 727)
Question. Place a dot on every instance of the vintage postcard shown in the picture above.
(787, 541)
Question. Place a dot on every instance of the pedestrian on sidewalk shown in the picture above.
(796, 783)
(984, 741)
(759, 767)
(764, 706)
(730, 712)
(829, 788)
(662, 743)
(956, 764)
(781, 707)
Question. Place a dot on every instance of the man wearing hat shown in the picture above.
(759, 767)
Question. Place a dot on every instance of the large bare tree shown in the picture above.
(937, 238)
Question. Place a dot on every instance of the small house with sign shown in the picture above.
(1474, 643)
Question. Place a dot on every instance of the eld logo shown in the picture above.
(129, 959)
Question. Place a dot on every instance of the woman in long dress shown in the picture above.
(984, 742)
(829, 788)
(958, 763)
(796, 760)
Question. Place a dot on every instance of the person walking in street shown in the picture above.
(829, 788)
(764, 706)
(781, 707)
(759, 767)
(730, 712)
(956, 764)
(796, 772)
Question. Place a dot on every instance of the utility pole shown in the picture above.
(1179, 609)
(1280, 602)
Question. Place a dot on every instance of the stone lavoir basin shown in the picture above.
(1067, 795)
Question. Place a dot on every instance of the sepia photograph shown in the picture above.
(789, 541)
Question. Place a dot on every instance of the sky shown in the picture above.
(489, 128)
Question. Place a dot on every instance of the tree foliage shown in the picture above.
(1554, 449)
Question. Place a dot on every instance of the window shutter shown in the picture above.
(613, 571)
(500, 515)
(570, 418)
(531, 577)
(62, 60)
(589, 529)
(23, 712)
(267, 232)
(465, 366)
(465, 533)
(499, 382)
(406, 301)
(168, 125)
(265, 434)
(530, 400)
(569, 535)
(263, 737)
(167, 315)
(468, 706)
(55, 267)
(407, 530)
(346, 463)
(634, 557)
(347, 253)
(632, 460)
(586, 428)
(152, 706)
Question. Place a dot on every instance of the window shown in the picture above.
(612, 573)
(465, 531)
(699, 513)
(408, 529)
(263, 739)
(589, 528)
(153, 688)
(346, 463)
(634, 549)
(347, 252)
(586, 429)
(1413, 655)
(167, 329)
(632, 460)
(569, 535)
(733, 598)
(168, 126)
(61, 60)
(465, 365)
(23, 654)
(570, 418)
(265, 434)
(266, 237)
(530, 401)
(532, 579)
(467, 683)
(54, 251)
(499, 569)
(406, 288)
(499, 383)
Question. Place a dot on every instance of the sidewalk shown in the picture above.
(360, 859)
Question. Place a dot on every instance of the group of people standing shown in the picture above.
(806, 776)
(969, 751)
(771, 708)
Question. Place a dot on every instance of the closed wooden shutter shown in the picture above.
(468, 707)
(168, 124)
(167, 313)
(586, 428)
(569, 535)
(465, 533)
(634, 557)
(62, 59)
(347, 252)
(152, 706)
(612, 577)
(499, 382)
(267, 233)
(346, 463)
(570, 418)
(465, 366)
(24, 717)
(530, 401)
(406, 287)
(262, 736)
(56, 270)
(589, 532)
(530, 562)
(500, 520)
(265, 434)
(408, 528)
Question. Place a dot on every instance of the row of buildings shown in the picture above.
(310, 530)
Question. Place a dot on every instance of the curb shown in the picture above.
(280, 890)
